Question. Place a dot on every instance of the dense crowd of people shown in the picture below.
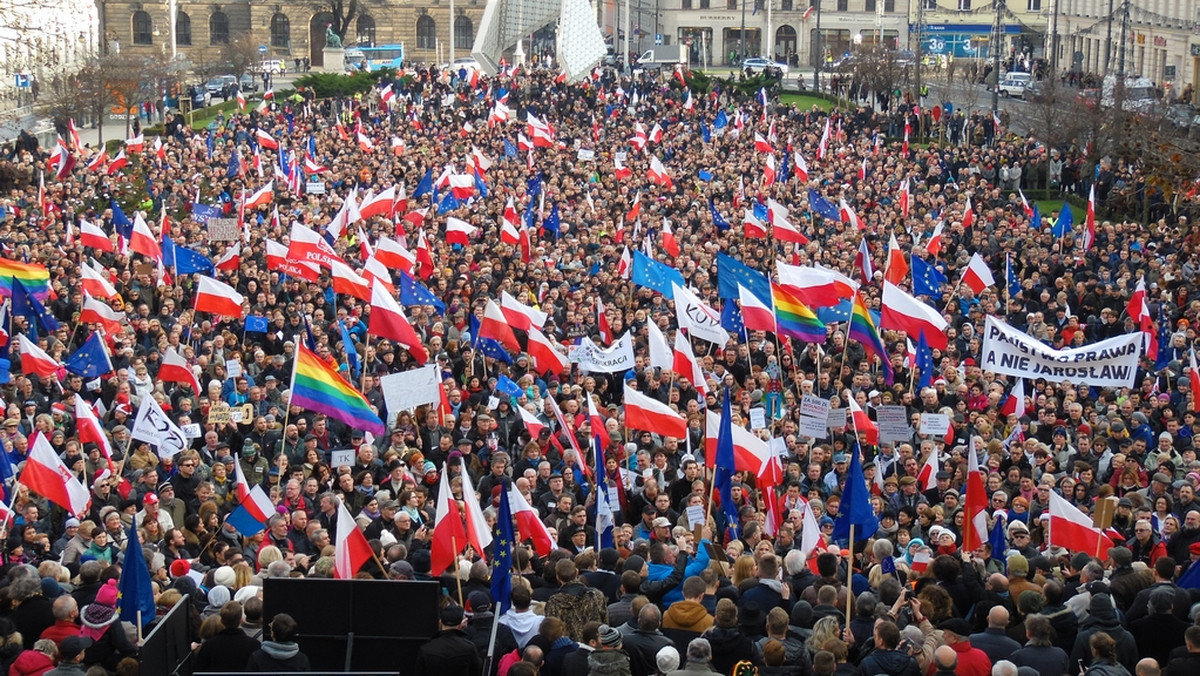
(732, 595)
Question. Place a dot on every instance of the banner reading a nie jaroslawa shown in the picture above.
(1109, 363)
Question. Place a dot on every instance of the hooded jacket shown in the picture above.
(608, 663)
(730, 646)
(688, 616)
(524, 625)
(275, 656)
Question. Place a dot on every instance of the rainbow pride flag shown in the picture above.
(794, 319)
(863, 330)
(36, 278)
(317, 387)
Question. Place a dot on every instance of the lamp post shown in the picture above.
(743, 34)
(820, 53)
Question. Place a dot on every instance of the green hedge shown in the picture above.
(329, 85)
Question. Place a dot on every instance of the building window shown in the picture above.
(143, 28)
(365, 27)
(785, 5)
(464, 32)
(281, 31)
(685, 4)
(705, 4)
(963, 5)
(843, 5)
(183, 29)
(731, 4)
(869, 6)
(930, 4)
(889, 6)
(1034, 5)
(426, 33)
(218, 29)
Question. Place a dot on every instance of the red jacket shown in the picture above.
(31, 663)
(971, 661)
(60, 630)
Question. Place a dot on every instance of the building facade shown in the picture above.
(1161, 39)
(288, 30)
(785, 30)
(40, 41)
(967, 29)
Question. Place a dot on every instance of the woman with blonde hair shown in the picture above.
(266, 556)
(745, 568)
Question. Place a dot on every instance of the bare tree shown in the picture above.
(343, 11)
(241, 53)
(90, 93)
(127, 83)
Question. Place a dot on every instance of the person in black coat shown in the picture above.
(993, 640)
(642, 644)
(479, 629)
(450, 653)
(34, 613)
(729, 644)
(886, 659)
(281, 653)
(1040, 653)
(1164, 573)
(1160, 631)
(231, 649)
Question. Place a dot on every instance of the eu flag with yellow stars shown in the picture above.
(502, 544)
(24, 304)
(731, 272)
(90, 360)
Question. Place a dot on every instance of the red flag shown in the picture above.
(388, 321)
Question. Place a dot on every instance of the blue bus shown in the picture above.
(379, 56)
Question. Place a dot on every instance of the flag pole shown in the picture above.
(457, 577)
(850, 574)
(362, 378)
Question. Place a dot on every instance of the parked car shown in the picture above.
(219, 85)
(756, 64)
(272, 66)
(1014, 84)
(248, 83)
(466, 62)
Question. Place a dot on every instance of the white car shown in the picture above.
(272, 66)
(466, 62)
(757, 64)
(1014, 84)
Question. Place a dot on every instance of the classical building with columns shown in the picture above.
(288, 30)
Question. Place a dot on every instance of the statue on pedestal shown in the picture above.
(332, 40)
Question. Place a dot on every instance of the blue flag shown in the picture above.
(529, 216)
(490, 347)
(784, 169)
(26, 305)
(184, 260)
(721, 121)
(120, 221)
(997, 540)
(650, 273)
(204, 213)
(823, 207)
(552, 222)
(717, 219)
(257, 324)
(1035, 223)
(731, 318)
(510, 151)
(1190, 578)
(413, 292)
(449, 203)
(731, 273)
(705, 175)
(1163, 358)
(351, 351)
(888, 565)
(761, 212)
(856, 508)
(208, 144)
(924, 362)
(506, 385)
(604, 520)
(927, 280)
(502, 539)
(534, 185)
(725, 465)
(705, 133)
(425, 185)
(90, 360)
(1065, 222)
(1010, 275)
(480, 186)
(137, 596)
(234, 167)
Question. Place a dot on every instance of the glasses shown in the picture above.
(1020, 535)
(1141, 530)
(188, 464)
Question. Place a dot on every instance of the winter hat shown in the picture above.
(224, 576)
(219, 596)
(609, 636)
(99, 615)
(180, 567)
(51, 589)
(246, 593)
(667, 659)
